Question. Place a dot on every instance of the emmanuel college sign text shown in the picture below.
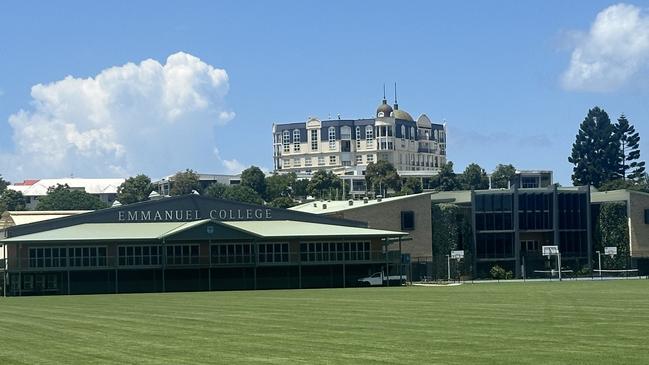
(190, 215)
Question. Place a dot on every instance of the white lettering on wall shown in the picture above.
(189, 215)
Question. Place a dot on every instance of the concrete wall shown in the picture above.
(387, 215)
(639, 230)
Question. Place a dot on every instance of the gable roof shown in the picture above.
(97, 232)
(200, 207)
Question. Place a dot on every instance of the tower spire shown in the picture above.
(396, 103)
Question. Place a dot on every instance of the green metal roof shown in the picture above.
(271, 229)
(102, 232)
(160, 230)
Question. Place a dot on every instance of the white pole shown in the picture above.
(559, 262)
(599, 264)
(448, 266)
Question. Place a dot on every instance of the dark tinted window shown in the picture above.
(408, 220)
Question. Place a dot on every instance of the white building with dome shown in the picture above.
(346, 146)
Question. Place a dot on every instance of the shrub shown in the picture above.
(499, 273)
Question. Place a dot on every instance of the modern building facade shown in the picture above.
(189, 243)
(346, 146)
(163, 185)
(408, 213)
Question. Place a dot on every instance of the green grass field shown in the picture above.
(534, 323)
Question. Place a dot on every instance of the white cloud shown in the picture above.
(615, 49)
(147, 117)
(231, 166)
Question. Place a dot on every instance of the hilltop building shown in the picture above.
(347, 146)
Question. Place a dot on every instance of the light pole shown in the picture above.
(599, 264)
(448, 267)
(559, 263)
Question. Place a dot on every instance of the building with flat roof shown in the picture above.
(163, 185)
(510, 227)
(33, 190)
(189, 243)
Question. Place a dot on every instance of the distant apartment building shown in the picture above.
(347, 146)
(33, 190)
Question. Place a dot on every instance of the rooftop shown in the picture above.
(317, 207)
(91, 186)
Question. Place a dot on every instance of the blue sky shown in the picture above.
(512, 79)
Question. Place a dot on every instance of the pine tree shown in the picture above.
(630, 168)
(596, 151)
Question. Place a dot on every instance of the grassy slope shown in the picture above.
(569, 322)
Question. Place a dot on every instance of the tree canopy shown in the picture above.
(382, 175)
(631, 167)
(412, 185)
(502, 175)
(447, 180)
(280, 185)
(255, 179)
(3, 184)
(596, 151)
(474, 177)
(244, 194)
(324, 184)
(239, 193)
(184, 182)
(12, 200)
(134, 189)
(62, 197)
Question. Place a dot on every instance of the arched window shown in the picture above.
(403, 131)
(332, 138)
(286, 141)
(381, 115)
(412, 133)
(296, 140)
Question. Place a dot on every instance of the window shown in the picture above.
(138, 255)
(332, 160)
(314, 140)
(273, 252)
(296, 140)
(369, 136)
(358, 137)
(287, 141)
(307, 161)
(182, 255)
(87, 256)
(334, 251)
(345, 133)
(232, 253)
(407, 220)
(332, 138)
(646, 216)
(286, 162)
(412, 133)
(370, 158)
(359, 159)
(321, 161)
(47, 257)
(403, 131)
(530, 182)
(297, 162)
